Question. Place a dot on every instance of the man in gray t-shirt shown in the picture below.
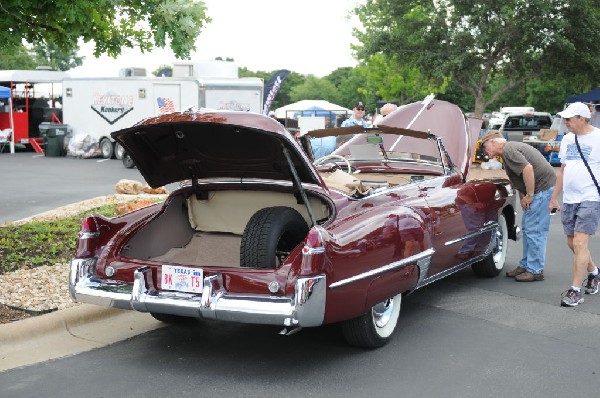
(534, 178)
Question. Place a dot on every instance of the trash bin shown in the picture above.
(55, 136)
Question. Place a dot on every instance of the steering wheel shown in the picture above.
(323, 159)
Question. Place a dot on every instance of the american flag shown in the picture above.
(165, 105)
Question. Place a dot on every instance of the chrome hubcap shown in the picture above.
(382, 312)
(498, 250)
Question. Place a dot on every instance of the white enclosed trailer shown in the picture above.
(96, 107)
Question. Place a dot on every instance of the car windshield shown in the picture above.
(379, 147)
(369, 162)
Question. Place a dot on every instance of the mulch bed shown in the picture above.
(8, 314)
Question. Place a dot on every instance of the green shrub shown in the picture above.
(38, 243)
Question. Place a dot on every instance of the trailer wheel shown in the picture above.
(270, 235)
(119, 151)
(106, 148)
(127, 162)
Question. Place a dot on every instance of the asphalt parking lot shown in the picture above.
(33, 183)
(463, 336)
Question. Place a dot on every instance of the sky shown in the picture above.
(308, 37)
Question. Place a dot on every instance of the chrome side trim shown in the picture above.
(456, 268)
(305, 308)
(486, 228)
(88, 235)
(422, 259)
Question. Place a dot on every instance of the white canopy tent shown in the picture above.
(289, 110)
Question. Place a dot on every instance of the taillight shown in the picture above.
(313, 242)
(88, 238)
(89, 228)
(313, 252)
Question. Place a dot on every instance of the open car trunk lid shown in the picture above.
(214, 144)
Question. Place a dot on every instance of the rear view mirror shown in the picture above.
(374, 139)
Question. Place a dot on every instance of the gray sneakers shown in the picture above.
(571, 298)
(591, 286)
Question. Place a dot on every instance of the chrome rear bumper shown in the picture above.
(305, 308)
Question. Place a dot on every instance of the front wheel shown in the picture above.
(493, 263)
(374, 329)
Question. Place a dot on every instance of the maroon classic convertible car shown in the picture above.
(259, 232)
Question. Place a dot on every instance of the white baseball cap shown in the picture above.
(576, 109)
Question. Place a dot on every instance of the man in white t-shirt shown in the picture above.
(581, 199)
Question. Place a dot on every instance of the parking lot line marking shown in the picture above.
(102, 160)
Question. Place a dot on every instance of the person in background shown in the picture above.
(358, 115)
(595, 119)
(388, 108)
(534, 178)
(324, 146)
(385, 110)
(581, 200)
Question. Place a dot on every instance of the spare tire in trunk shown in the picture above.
(270, 235)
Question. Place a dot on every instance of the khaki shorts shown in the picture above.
(581, 217)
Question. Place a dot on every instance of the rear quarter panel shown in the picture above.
(369, 234)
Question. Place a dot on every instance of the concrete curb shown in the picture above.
(68, 332)
(47, 323)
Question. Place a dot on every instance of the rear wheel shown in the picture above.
(106, 148)
(374, 329)
(119, 151)
(492, 265)
(270, 236)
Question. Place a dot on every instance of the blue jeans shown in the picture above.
(536, 223)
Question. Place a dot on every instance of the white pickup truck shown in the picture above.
(519, 124)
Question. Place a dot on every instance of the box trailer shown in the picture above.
(96, 107)
(234, 94)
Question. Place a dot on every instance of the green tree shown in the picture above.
(315, 88)
(161, 68)
(17, 57)
(283, 97)
(475, 43)
(111, 24)
(50, 55)
(349, 84)
(388, 78)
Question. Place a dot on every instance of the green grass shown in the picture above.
(39, 243)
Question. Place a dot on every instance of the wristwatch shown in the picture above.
(528, 194)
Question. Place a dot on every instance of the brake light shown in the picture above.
(88, 238)
(313, 242)
(89, 228)
(313, 252)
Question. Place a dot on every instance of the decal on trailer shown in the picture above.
(165, 105)
(233, 105)
(112, 107)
